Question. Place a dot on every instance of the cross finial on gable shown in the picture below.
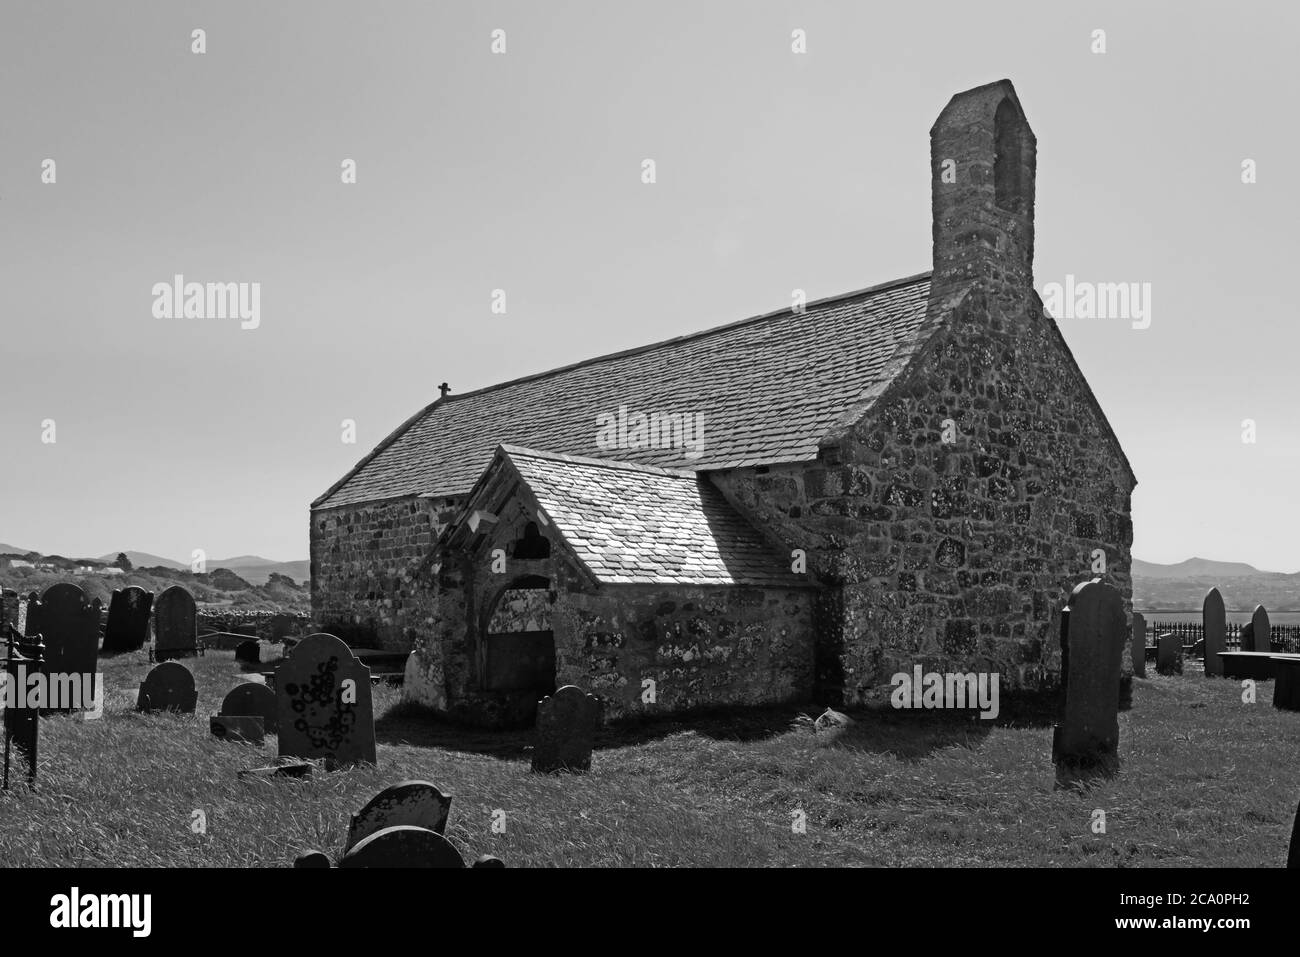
(444, 389)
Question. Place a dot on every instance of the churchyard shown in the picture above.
(1204, 780)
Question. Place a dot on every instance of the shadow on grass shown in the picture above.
(880, 728)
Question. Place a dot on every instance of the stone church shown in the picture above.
(795, 506)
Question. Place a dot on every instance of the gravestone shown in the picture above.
(69, 626)
(1259, 627)
(128, 619)
(1093, 632)
(487, 860)
(566, 730)
(1215, 622)
(324, 707)
(1293, 855)
(245, 728)
(1169, 655)
(1286, 683)
(251, 698)
(249, 651)
(175, 624)
(417, 803)
(312, 859)
(403, 846)
(168, 687)
(1139, 646)
(9, 608)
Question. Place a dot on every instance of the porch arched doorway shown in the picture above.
(518, 644)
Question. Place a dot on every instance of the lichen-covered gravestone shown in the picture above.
(417, 803)
(1262, 632)
(128, 619)
(324, 706)
(70, 627)
(252, 698)
(1093, 633)
(1169, 655)
(168, 687)
(1139, 647)
(403, 846)
(566, 730)
(175, 624)
(1215, 623)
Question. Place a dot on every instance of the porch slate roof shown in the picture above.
(636, 524)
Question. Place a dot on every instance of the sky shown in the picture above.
(521, 171)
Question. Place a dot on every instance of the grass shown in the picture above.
(1205, 781)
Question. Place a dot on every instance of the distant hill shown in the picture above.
(1196, 568)
(13, 550)
(143, 560)
(1182, 587)
(258, 571)
(254, 569)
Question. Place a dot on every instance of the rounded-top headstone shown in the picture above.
(566, 730)
(312, 859)
(403, 846)
(168, 687)
(487, 860)
(1094, 630)
(1214, 623)
(1261, 629)
(127, 628)
(324, 703)
(252, 698)
(175, 622)
(417, 803)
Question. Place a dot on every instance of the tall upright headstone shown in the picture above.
(1139, 646)
(1215, 623)
(175, 624)
(566, 730)
(1093, 632)
(69, 625)
(324, 705)
(128, 619)
(1260, 626)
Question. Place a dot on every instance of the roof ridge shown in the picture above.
(914, 279)
(622, 464)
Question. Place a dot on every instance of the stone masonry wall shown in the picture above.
(957, 556)
(364, 564)
(702, 646)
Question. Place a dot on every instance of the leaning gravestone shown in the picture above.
(128, 619)
(168, 687)
(324, 711)
(1093, 632)
(417, 803)
(1139, 646)
(403, 846)
(1215, 623)
(1169, 655)
(252, 698)
(1262, 631)
(175, 624)
(566, 730)
(70, 627)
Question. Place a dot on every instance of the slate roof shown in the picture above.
(769, 389)
(636, 524)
